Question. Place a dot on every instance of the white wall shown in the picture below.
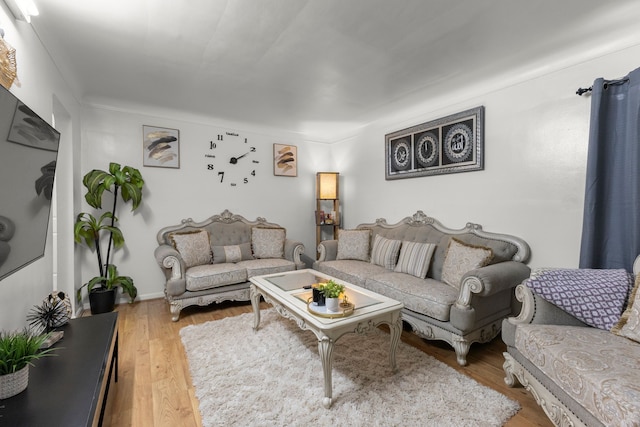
(532, 185)
(39, 84)
(192, 191)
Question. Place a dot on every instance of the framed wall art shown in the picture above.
(161, 147)
(285, 160)
(447, 145)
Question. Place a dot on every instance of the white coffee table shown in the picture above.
(285, 291)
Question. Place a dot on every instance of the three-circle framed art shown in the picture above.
(447, 145)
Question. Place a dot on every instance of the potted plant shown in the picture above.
(17, 351)
(332, 291)
(127, 183)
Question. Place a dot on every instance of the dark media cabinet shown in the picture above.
(69, 389)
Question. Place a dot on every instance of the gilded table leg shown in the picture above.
(255, 303)
(395, 328)
(325, 348)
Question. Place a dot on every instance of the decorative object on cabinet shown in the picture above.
(161, 147)
(285, 160)
(327, 189)
(447, 145)
(54, 312)
(232, 159)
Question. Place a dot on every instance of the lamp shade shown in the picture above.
(327, 185)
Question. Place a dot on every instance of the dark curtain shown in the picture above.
(611, 223)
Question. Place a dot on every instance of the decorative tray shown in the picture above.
(346, 309)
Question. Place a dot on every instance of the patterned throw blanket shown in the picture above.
(596, 297)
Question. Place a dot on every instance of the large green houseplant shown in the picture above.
(123, 182)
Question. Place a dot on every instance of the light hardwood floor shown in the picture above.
(154, 385)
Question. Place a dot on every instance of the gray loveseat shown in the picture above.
(580, 374)
(460, 296)
(212, 261)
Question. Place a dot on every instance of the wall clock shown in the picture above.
(233, 159)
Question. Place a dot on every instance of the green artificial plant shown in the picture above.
(19, 349)
(331, 289)
(128, 183)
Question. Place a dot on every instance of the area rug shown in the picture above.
(273, 377)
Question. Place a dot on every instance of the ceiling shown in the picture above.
(318, 67)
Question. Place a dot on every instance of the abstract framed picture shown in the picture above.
(450, 144)
(285, 160)
(160, 147)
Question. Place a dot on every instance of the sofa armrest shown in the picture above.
(173, 267)
(490, 280)
(328, 250)
(539, 311)
(293, 250)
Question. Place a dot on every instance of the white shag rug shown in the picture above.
(273, 377)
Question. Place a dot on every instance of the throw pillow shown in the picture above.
(462, 258)
(629, 324)
(415, 258)
(193, 246)
(385, 252)
(231, 253)
(268, 242)
(353, 244)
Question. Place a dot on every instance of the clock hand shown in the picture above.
(234, 160)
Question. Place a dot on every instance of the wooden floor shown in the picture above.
(154, 385)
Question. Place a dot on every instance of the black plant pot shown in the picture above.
(102, 300)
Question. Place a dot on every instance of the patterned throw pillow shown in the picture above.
(193, 246)
(629, 324)
(415, 258)
(231, 253)
(268, 242)
(462, 258)
(385, 252)
(353, 244)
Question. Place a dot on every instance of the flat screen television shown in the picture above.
(28, 155)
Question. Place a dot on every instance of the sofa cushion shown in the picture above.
(351, 271)
(415, 258)
(385, 252)
(268, 242)
(598, 369)
(462, 258)
(211, 276)
(425, 296)
(629, 324)
(231, 253)
(353, 244)
(258, 267)
(193, 246)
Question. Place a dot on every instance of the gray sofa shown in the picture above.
(579, 374)
(462, 311)
(212, 261)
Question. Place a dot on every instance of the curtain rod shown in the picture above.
(582, 90)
